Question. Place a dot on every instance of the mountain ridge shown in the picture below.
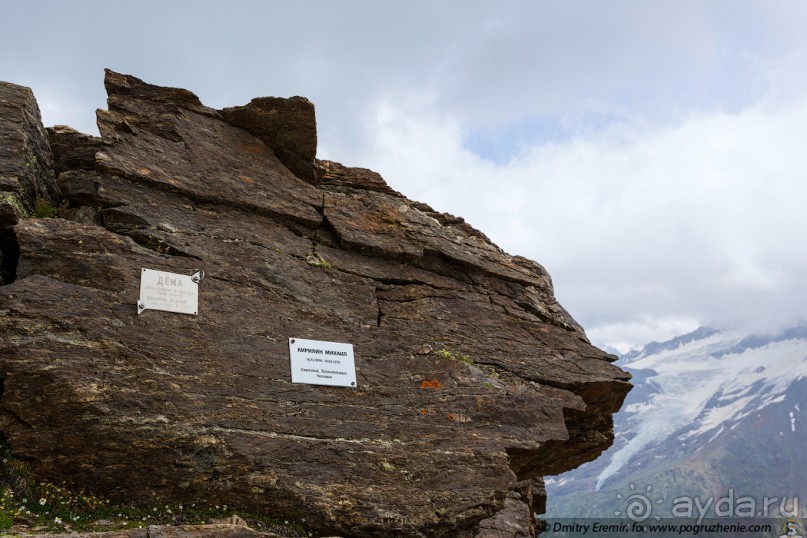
(704, 405)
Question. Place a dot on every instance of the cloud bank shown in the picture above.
(648, 229)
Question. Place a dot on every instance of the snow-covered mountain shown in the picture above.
(711, 411)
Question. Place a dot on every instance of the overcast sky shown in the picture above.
(651, 155)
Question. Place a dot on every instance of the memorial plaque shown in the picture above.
(169, 291)
(322, 363)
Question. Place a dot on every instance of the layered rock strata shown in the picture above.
(473, 382)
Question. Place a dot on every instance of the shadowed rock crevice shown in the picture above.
(378, 306)
(9, 256)
(472, 379)
(119, 221)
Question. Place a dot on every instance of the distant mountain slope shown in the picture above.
(711, 412)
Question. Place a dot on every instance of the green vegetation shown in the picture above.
(489, 370)
(315, 260)
(55, 508)
(322, 264)
(45, 210)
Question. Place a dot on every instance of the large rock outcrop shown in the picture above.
(473, 382)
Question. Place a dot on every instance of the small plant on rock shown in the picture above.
(489, 370)
(45, 210)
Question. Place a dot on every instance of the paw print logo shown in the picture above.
(638, 506)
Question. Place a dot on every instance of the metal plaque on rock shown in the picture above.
(169, 291)
(322, 363)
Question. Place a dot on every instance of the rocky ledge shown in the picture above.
(472, 381)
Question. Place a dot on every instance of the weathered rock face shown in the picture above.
(26, 164)
(472, 381)
(26, 168)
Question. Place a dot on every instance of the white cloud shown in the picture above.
(644, 228)
(624, 335)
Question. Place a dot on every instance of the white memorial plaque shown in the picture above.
(169, 291)
(322, 363)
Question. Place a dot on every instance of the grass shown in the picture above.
(29, 505)
(322, 264)
(45, 210)
(315, 260)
